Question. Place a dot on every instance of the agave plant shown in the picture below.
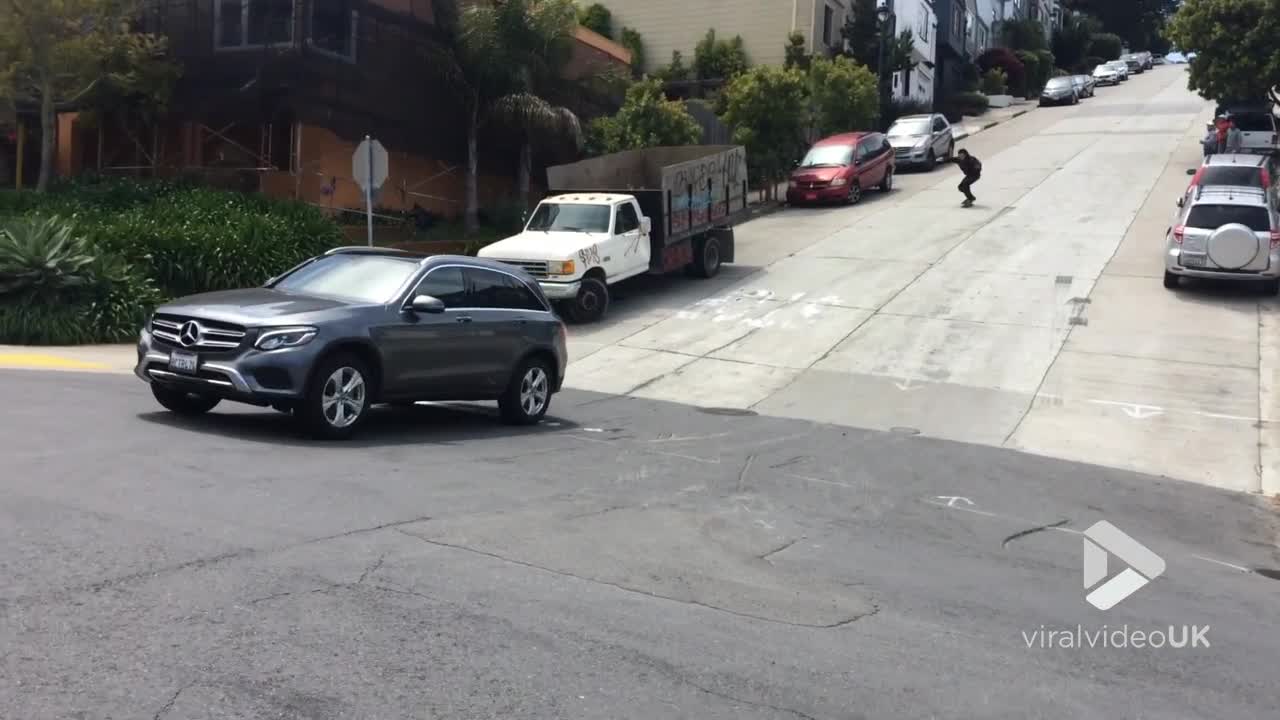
(44, 257)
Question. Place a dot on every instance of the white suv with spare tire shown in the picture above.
(1225, 233)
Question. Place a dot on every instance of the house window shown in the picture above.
(333, 28)
(253, 23)
(828, 23)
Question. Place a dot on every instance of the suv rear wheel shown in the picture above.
(183, 403)
(528, 396)
(338, 397)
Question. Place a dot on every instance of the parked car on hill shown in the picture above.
(1136, 66)
(1225, 233)
(1059, 91)
(1234, 169)
(841, 168)
(1258, 125)
(1105, 74)
(1085, 85)
(922, 140)
(1121, 67)
(356, 327)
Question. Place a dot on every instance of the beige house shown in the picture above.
(668, 25)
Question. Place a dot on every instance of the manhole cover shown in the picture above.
(734, 412)
(905, 430)
(1266, 573)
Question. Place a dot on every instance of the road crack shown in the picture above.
(164, 709)
(778, 549)
(1032, 531)
(372, 568)
(637, 591)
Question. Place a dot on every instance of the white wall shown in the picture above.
(917, 16)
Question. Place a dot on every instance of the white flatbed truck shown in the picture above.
(614, 217)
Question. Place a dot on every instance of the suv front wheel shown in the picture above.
(338, 397)
(528, 396)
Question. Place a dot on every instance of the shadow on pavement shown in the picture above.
(421, 424)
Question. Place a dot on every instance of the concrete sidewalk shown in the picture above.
(973, 125)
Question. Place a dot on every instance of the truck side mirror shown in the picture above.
(646, 225)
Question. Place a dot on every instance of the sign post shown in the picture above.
(369, 168)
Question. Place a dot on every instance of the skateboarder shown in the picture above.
(972, 169)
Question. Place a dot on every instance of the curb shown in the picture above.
(992, 124)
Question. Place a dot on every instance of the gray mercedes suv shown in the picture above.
(357, 327)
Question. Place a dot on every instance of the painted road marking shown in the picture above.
(40, 361)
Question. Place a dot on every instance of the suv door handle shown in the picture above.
(463, 318)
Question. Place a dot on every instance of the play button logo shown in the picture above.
(1103, 539)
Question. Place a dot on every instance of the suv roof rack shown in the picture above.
(366, 250)
(1232, 192)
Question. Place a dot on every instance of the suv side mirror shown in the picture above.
(427, 304)
(646, 225)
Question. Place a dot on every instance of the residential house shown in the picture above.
(678, 25)
(955, 48)
(917, 16)
(276, 94)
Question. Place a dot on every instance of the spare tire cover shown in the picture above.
(1233, 246)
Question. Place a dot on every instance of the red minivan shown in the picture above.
(841, 167)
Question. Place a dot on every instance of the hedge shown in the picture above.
(1015, 70)
(164, 239)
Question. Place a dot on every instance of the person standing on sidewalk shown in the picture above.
(972, 169)
(1210, 141)
(1235, 138)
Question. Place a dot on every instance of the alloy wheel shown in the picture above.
(343, 398)
(534, 388)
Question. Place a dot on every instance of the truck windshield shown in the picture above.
(570, 217)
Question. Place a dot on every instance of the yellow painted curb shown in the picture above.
(46, 362)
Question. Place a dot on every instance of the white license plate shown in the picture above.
(1193, 261)
(183, 362)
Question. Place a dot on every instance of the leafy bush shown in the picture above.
(902, 108)
(995, 82)
(970, 76)
(715, 59)
(1031, 64)
(1107, 46)
(1014, 68)
(647, 119)
(965, 103)
(58, 288)
(1045, 68)
(1090, 64)
(596, 17)
(844, 95)
(766, 106)
(185, 238)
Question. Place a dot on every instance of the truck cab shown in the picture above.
(577, 239)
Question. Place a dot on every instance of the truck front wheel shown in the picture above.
(592, 301)
(706, 257)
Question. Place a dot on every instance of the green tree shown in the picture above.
(797, 55)
(1024, 34)
(843, 96)
(507, 56)
(1071, 42)
(647, 119)
(1107, 46)
(675, 71)
(80, 53)
(1033, 72)
(862, 33)
(766, 107)
(1234, 41)
(631, 40)
(597, 18)
(716, 59)
(1138, 22)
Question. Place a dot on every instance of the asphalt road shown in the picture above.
(629, 558)
(1036, 320)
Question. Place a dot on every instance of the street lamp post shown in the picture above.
(885, 22)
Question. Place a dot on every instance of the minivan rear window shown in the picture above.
(1212, 217)
(1232, 175)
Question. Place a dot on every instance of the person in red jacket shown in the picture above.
(1223, 126)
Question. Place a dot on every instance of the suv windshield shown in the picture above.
(571, 217)
(914, 126)
(828, 155)
(1232, 175)
(372, 279)
(1212, 217)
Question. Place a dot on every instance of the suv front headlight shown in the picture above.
(285, 337)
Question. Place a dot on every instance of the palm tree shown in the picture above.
(509, 54)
